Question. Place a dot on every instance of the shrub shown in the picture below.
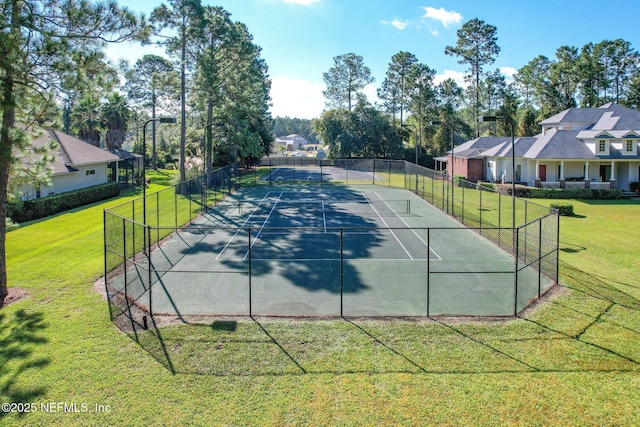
(485, 184)
(51, 205)
(574, 193)
(564, 210)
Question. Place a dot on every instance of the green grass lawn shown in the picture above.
(573, 361)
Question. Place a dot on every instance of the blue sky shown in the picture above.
(299, 38)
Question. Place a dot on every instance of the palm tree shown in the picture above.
(116, 114)
(86, 120)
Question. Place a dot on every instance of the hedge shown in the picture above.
(574, 193)
(564, 210)
(565, 193)
(39, 208)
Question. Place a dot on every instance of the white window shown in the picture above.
(602, 146)
(629, 146)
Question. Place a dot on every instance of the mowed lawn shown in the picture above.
(573, 361)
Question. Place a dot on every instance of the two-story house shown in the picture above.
(577, 148)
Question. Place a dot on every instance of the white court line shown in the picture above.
(385, 223)
(242, 226)
(262, 226)
(405, 223)
(324, 218)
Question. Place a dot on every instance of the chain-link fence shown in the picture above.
(169, 254)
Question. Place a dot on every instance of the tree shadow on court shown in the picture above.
(20, 334)
(304, 248)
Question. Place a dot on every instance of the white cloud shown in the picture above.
(446, 17)
(302, 2)
(456, 76)
(508, 72)
(371, 92)
(434, 32)
(401, 25)
(296, 98)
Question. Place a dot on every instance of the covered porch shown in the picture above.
(582, 174)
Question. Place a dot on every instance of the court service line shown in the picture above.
(242, 226)
(262, 226)
(385, 223)
(405, 223)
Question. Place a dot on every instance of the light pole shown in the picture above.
(513, 160)
(417, 137)
(451, 129)
(144, 153)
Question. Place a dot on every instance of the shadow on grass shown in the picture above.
(20, 334)
(595, 329)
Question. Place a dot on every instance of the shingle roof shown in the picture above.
(76, 152)
(575, 115)
(70, 152)
(559, 144)
(483, 143)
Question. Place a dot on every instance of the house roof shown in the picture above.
(123, 154)
(575, 115)
(69, 152)
(559, 144)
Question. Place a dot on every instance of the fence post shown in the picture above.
(539, 257)
(250, 254)
(558, 248)
(373, 178)
(463, 203)
(428, 270)
(341, 279)
(106, 277)
(148, 227)
(515, 281)
(481, 191)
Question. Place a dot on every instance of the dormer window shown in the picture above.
(628, 146)
(602, 146)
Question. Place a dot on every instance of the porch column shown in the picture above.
(538, 183)
(612, 179)
(562, 184)
(587, 182)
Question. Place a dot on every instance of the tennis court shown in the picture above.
(321, 174)
(357, 250)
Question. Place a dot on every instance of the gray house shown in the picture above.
(577, 148)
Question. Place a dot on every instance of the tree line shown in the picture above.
(54, 73)
(411, 104)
